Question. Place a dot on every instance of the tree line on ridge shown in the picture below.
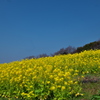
(71, 50)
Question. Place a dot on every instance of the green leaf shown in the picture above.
(37, 91)
(96, 97)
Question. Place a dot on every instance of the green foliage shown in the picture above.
(89, 46)
(96, 97)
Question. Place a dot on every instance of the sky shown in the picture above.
(33, 27)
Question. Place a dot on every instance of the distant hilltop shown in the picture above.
(90, 46)
(71, 50)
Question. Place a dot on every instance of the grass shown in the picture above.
(90, 88)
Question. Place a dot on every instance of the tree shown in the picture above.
(67, 50)
(90, 46)
(42, 55)
(30, 57)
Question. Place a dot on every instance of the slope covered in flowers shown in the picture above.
(51, 78)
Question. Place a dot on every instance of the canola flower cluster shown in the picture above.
(49, 77)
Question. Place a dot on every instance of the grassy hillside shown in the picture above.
(63, 77)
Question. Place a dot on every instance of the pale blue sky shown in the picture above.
(33, 27)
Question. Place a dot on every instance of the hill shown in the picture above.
(92, 45)
(70, 50)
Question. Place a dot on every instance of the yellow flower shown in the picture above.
(76, 71)
(59, 86)
(51, 76)
(23, 93)
(75, 74)
(48, 82)
(70, 82)
(31, 86)
(75, 82)
(63, 88)
(77, 94)
(65, 83)
(52, 88)
(60, 72)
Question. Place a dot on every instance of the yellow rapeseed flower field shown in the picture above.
(55, 77)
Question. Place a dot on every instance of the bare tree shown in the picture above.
(67, 50)
(42, 55)
(30, 57)
(70, 49)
